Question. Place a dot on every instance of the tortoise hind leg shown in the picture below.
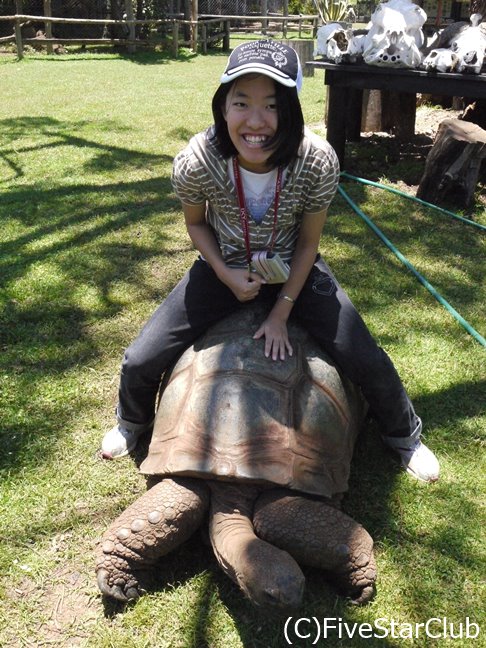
(160, 520)
(319, 535)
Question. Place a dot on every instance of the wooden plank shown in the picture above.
(93, 21)
(160, 21)
(83, 41)
(461, 85)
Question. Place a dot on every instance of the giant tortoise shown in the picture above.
(266, 448)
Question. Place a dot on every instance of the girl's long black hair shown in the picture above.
(290, 127)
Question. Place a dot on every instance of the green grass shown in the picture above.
(91, 240)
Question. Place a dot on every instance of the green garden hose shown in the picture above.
(408, 265)
(468, 221)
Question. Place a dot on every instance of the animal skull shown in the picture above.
(470, 47)
(442, 60)
(338, 44)
(395, 35)
(466, 41)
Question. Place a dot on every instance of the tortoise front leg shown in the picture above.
(163, 518)
(267, 575)
(319, 535)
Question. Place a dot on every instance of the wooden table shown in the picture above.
(347, 81)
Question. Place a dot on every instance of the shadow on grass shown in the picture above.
(151, 56)
(60, 133)
(66, 245)
(378, 154)
(423, 236)
(458, 402)
(157, 57)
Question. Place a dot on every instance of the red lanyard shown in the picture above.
(244, 214)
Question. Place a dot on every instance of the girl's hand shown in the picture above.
(245, 287)
(277, 342)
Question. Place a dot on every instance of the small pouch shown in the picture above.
(270, 266)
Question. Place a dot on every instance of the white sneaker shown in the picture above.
(118, 442)
(420, 462)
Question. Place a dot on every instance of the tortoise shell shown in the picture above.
(228, 412)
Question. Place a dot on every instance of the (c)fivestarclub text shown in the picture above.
(298, 628)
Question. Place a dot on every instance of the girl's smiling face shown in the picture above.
(251, 116)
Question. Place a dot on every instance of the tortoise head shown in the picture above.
(269, 577)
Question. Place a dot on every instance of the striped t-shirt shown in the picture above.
(200, 176)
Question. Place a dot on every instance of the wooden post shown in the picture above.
(175, 38)
(48, 24)
(336, 126)
(353, 116)
(194, 15)
(226, 37)
(285, 13)
(131, 28)
(18, 32)
(264, 13)
(204, 37)
(18, 40)
(403, 106)
(186, 25)
(372, 111)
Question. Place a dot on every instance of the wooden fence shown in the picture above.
(200, 30)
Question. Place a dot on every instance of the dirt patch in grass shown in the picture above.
(62, 608)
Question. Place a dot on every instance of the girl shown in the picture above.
(259, 183)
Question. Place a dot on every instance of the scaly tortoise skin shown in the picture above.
(266, 448)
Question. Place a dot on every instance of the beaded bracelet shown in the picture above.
(286, 298)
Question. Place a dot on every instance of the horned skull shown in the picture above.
(395, 35)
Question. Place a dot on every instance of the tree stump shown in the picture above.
(391, 112)
(305, 50)
(453, 164)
